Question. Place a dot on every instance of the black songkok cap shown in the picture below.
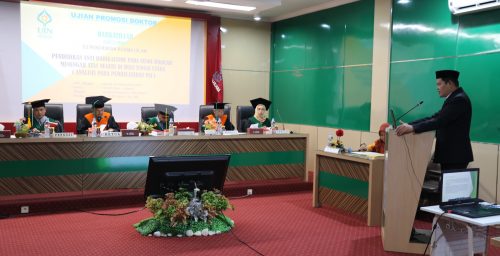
(260, 101)
(97, 101)
(161, 108)
(450, 74)
(37, 103)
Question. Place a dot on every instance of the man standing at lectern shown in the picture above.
(452, 123)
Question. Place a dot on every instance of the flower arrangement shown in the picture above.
(184, 214)
(22, 129)
(144, 127)
(336, 143)
(210, 124)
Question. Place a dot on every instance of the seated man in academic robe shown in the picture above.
(219, 114)
(38, 119)
(162, 119)
(98, 115)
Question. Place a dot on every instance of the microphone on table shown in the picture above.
(281, 119)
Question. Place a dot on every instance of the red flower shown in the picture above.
(339, 133)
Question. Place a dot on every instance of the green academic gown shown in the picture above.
(41, 125)
(157, 124)
(253, 120)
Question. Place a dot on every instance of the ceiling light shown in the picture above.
(256, 18)
(221, 5)
(223, 29)
(404, 1)
(325, 26)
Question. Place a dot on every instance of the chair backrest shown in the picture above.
(54, 111)
(148, 112)
(206, 110)
(242, 115)
(83, 109)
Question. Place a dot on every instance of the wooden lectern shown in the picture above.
(404, 171)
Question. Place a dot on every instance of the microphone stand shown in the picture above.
(399, 118)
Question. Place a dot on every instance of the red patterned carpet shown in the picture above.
(283, 224)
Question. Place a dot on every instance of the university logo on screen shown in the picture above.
(43, 29)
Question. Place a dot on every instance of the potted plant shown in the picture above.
(22, 129)
(145, 128)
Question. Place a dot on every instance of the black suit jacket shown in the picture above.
(452, 125)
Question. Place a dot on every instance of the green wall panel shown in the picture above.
(312, 56)
(409, 88)
(481, 84)
(426, 38)
(423, 29)
(479, 32)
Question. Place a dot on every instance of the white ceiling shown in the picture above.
(268, 10)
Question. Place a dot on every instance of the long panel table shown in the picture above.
(51, 165)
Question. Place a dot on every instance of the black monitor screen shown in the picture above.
(168, 174)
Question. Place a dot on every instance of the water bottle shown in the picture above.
(218, 129)
(171, 130)
(46, 129)
(273, 124)
(94, 128)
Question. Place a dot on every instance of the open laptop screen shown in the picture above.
(460, 184)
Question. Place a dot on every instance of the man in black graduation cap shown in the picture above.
(161, 120)
(261, 106)
(98, 115)
(452, 123)
(219, 114)
(39, 119)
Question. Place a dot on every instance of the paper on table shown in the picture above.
(254, 126)
(371, 155)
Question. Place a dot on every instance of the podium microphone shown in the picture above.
(418, 104)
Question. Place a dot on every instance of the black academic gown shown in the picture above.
(85, 125)
(452, 125)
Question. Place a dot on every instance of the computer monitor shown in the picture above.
(168, 174)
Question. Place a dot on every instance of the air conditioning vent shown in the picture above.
(459, 7)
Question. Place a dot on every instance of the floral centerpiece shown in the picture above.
(22, 129)
(145, 128)
(184, 214)
(335, 145)
(210, 124)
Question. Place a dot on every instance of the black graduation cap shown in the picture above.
(260, 101)
(97, 101)
(37, 103)
(162, 107)
(451, 74)
(219, 105)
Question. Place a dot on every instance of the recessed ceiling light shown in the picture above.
(221, 5)
(404, 1)
(325, 26)
(257, 18)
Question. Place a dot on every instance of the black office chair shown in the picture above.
(54, 111)
(83, 109)
(242, 115)
(206, 110)
(148, 112)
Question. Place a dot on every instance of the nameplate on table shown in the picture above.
(332, 150)
(158, 133)
(255, 130)
(210, 132)
(185, 131)
(282, 131)
(5, 134)
(106, 134)
(233, 132)
(63, 135)
(130, 132)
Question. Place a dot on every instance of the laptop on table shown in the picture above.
(460, 194)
